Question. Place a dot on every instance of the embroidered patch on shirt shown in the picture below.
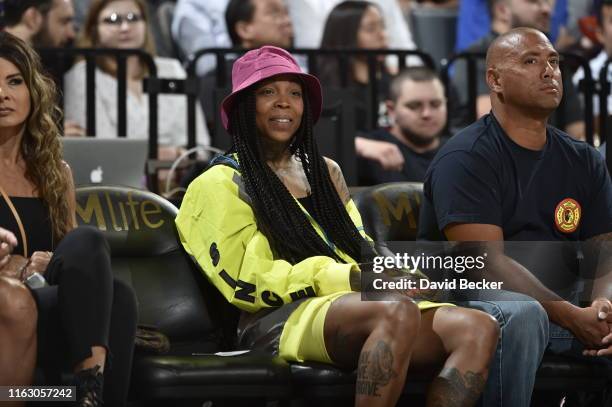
(567, 215)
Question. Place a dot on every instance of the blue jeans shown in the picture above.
(525, 334)
(524, 338)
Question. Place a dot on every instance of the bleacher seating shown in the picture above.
(174, 296)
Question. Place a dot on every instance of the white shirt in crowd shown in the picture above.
(200, 24)
(309, 16)
(172, 109)
(596, 65)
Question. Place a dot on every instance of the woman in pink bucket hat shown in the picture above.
(273, 227)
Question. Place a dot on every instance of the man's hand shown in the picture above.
(603, 308)
(39, 262)
(7, 242)
(388, 155)
(586, 326)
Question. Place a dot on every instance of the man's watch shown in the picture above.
(35, 280)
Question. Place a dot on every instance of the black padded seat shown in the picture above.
(572, 374)
(212, 376)
(174, 296)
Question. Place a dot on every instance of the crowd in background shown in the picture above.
(172, 31)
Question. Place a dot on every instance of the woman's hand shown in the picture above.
(39, 262)
(72, 129)
(7, 242)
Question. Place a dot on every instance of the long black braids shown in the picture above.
(291, 235)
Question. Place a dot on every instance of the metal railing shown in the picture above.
(311, 55)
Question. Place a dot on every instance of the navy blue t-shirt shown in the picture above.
(370, 172)
(482, 176)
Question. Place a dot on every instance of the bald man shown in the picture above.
(506, 15)
(510, 177)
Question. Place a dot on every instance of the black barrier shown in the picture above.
(343, 56)
(151, 86)
(604, 91)
(473, 58)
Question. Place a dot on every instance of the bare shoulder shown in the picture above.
(335, 172)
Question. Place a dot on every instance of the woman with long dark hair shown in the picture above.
(82, 316)
(360, 25)
(274, 228)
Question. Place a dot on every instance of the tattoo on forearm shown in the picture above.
(451, 388)
(336, 175)
(375, 369)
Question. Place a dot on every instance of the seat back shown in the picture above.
(162, 16)
(146, 253)
(390, 212)
(434, 30)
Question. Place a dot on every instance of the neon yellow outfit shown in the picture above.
(218, 228)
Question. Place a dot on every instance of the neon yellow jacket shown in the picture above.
(217, 227)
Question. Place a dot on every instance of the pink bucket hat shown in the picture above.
(263, 63)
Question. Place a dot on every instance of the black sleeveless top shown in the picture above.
(36, 223)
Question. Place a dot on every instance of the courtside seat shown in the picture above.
(390, 212)
(319, 381)
(174, 296)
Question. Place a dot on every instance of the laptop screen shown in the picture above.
(118, 161)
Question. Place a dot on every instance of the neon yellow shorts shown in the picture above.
(303, 335)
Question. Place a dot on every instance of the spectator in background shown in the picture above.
(474, 18)
(44, 24)
(509, 14)
(417, 108)
(199, 24)
(604, 35)
(359, 24)
(41, 23)
(250, 24)
(309, 18)
(123, 24)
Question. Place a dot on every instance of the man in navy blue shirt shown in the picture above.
(510, 177)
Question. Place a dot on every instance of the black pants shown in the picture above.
(84, 307)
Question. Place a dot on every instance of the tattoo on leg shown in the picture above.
(455, 389)
(375, 369)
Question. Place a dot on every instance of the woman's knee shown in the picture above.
(18, 311)
(88, 239)
(480, 332)
(85, 257)
(400, 315)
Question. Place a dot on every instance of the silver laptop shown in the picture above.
(118, 161)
